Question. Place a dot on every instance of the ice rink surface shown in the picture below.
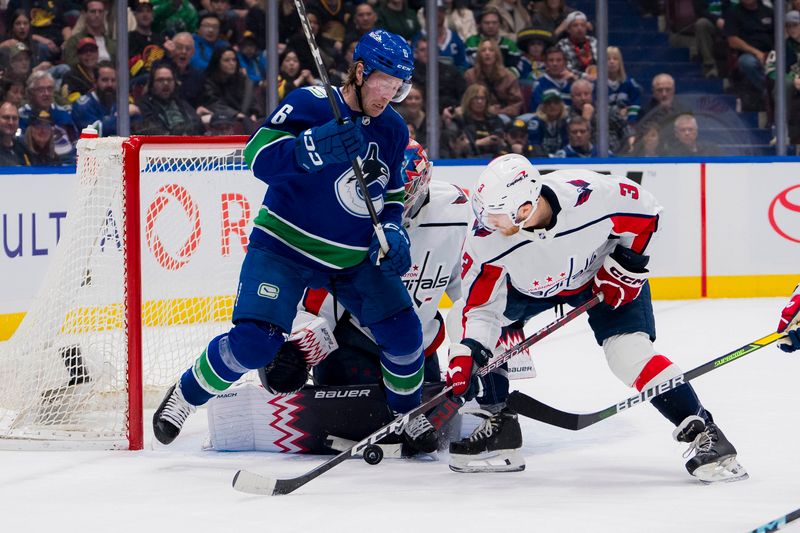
(624, 474)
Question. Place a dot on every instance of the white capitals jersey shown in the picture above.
(437, 234)
(592, 214)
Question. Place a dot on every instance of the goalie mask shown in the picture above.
(417, 170)
(506, 184)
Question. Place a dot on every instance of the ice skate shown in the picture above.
(714, 457)
(171, 414)
(420, 436)
(493, 446)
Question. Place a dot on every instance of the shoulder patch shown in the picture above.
(462, 196)
(83, 99)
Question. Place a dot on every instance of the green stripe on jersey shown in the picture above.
(403, 385)
(262, 139)
(324, 251)
(206, 377)
(397, 196)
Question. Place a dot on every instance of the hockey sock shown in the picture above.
(248, 345)
(402, 360)
(678, 403)
(402, 376)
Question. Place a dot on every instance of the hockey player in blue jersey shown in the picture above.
(314, 230)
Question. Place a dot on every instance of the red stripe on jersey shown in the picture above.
(481, 290)
(570, 292)
(641, 226)
(314, 299)
(654, 366)
(437, 341)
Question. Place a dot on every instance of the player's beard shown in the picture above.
(509, 231)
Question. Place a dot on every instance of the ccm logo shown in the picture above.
(341, 393)
(627, 280)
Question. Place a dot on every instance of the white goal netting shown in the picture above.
(64, 375)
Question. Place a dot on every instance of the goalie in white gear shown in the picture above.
(541, 241)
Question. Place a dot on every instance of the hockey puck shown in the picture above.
(373, 454)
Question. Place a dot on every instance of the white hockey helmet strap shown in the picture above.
(506, 184)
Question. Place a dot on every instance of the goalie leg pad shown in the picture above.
(400, 339)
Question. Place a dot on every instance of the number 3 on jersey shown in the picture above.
(626, 189)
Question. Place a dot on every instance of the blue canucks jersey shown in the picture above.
(320, 219)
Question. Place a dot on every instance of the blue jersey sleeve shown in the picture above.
(270, 150)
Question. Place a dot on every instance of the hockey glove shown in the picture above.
(312, 335)
(287, 373)
(459, 372)
(330, 143)
(397, 260)
(621, 277)
(790, 323)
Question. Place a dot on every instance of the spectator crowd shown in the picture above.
(514, 75)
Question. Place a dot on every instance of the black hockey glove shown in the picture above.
(287, 373)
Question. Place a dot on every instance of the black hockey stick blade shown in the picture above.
(777, 523)
(533, 408)
(252, 483)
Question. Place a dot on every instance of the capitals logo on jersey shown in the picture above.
(376, 174)
(426, 278)
(583, 191)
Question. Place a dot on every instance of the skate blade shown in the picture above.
(726, 471)
(496, 461)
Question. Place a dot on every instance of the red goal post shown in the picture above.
(144, 275)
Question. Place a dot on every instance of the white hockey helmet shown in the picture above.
(507, 183)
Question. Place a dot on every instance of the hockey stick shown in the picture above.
(323, 76)
(532, 408)
(252, 483)
(778, 523)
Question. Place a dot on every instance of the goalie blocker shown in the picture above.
(248, 418)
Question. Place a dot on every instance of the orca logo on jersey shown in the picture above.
(376, 174)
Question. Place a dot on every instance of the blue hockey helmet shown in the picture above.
(389, 53)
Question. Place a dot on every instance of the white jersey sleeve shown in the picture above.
(484, 294)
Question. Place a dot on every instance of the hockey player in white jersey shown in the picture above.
(541, 241)
(790, 323)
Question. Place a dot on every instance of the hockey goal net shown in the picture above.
(144, 275)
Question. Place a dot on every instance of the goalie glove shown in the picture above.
(621, 277)
(790, 323)
(313, 337)
(310, 342)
